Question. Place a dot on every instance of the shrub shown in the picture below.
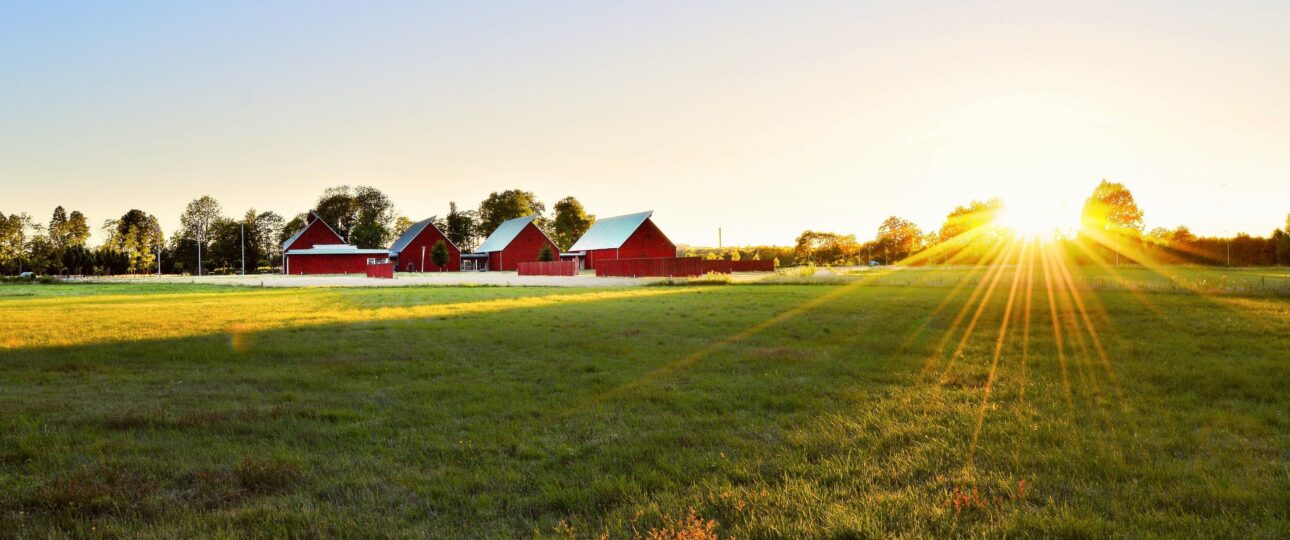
(439, 255)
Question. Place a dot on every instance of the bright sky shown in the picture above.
(763, 118)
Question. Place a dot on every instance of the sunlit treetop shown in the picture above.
(1111, 208)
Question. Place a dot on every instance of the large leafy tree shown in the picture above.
(953, 239)
(461, 227)
(401, 225)
(13, 240)
(292, 227)
(42, 255)
(1111, 217)
(1111, 209)
(57, 224)
(268, 238)
(570, 223)
(226, 243)
(897, 239)
(509, 204)
(363, 215)
(66, 231)
(975, 215)
(1283, 244)
(76, 232)
(825, 248)
(198, 218)
(45, 249)
(137, 236)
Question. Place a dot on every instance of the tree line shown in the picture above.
(209, 241)
(1110, 230)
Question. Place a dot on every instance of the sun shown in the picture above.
(1033, 221)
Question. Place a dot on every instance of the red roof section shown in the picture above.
(316, 232)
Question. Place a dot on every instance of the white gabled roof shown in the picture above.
(610, 233)
(504, 233)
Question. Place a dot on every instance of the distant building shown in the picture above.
(317, 249)
(633, 236)
(515, 241)
(412, 251)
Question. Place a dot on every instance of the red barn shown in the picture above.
(515, 241)
(411, 252)
(317, 249)
(633, 236)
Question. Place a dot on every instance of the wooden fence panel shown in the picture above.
(551, 268)
(383, 270)
(656, 267)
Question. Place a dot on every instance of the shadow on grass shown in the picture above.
(598, 415)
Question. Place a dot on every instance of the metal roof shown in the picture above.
(336, 249)
(610, 233)
(309, 221)
(504, 233)
(411, 234)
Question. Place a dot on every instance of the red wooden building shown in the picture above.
(411, 252)
(317, 249)
(515, 241)
(633, 236)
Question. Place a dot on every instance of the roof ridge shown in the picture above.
(611, 232)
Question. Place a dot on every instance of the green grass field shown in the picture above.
(876, 409)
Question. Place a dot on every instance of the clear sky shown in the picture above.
(763, 118)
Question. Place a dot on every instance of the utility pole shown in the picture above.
(1222, 203)
(719, 244)
(158, 231)
(244, 249)
(199, 250)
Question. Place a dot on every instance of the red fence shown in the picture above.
(551, 268)
(384, 270)
(725, 267)
(660, 267)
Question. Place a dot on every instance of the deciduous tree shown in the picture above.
(570, 223)
(13, 241)
(461, 227)
(509, 204)
(198, 217)
(136, 236)
(363, 215)
(268, 236)
(439, 255)
(1111, 216)
(825, 248)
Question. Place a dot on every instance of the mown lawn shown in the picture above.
(764, 411)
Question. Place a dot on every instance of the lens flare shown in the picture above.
(1033, 221)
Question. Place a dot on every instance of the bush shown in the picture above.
(438, 255)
